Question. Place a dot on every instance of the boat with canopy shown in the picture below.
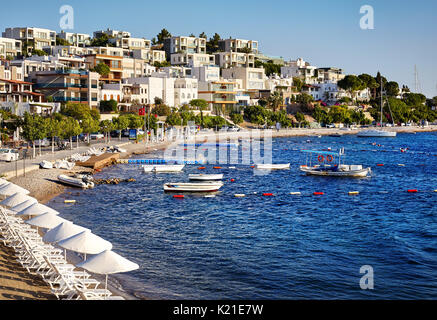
(325, 166)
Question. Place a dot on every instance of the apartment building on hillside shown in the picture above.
(112, 57)
(184, 45)
(76, 39)
(192, 59)
(10, 48)
(220, 95)
(239, 45)
(234, 59)
(32, 38)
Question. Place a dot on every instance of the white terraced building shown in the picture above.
(234, 59)
(252, 78)
(10, 48)
(36, 38)
(192, 59)
(236, 45)
(76, 39)
(186, 89)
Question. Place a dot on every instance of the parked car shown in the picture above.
(96, 136)
(9, 155)
(43, 143)
(330, 125)
(233, 129)
(115, 133)
(125, 133)
(82, 137)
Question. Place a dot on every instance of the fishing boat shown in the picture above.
(193, 187)
(271, 166)
(76, 182)
(205, 177)
(326, 168)
(163, 167)
(378, 133)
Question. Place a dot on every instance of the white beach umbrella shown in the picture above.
(8, 189)
(16, 199)
(86, 243)
(47, 220)
(36, 209)
(107, 262)
(62, 231)
(23, 205)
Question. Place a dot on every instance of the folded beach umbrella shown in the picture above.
(36, 209)
(8, 189)
(107, 262)
(47, 220)
(62, 231)
(86, 243)
(15, 199)
(23, 205)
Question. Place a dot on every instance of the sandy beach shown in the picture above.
(17, 284)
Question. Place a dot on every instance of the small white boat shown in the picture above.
(325, 168)
(376, 133)
(343, 170)
(46, 165)
(76, 182)
(205, 177)
(163, 167)
(270, 166)
(193, 187)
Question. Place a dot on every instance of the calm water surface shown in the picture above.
(281, 247)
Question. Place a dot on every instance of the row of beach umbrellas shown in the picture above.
(64, 233)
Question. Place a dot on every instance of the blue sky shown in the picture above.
(325, 33)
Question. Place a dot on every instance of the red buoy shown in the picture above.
(232, 180)
(267, 194)
(318, 193)
(380, 165)
(412, 190)
(178, 196)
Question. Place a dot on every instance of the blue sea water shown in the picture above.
(280, 247)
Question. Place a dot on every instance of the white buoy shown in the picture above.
(295, 193)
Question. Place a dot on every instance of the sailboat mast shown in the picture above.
(380, 123)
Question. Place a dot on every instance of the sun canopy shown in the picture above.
(85, 242)
(62, 231)
(36, 209)
(108, 262)
(47, 220)
(322, 152)
(16, 199)
(23, 205)
(8, 189)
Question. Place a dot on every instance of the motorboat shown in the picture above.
(325, 167)
(163, 167)
(205, 177)
(46, 164)
(193, 187)
(82, 182)
(271, 166)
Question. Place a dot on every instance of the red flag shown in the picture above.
(142, 111)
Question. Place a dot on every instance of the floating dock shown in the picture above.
(159, 161)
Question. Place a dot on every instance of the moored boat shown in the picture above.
(271, 166)
(193, 187)
(205, 177)
(76, 182)
(326, 168)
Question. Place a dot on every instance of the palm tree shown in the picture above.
(275, 100)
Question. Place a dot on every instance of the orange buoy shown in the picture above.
(329, 158)
(318, 193)
(217, 167)
(412, 190)
(267, 194)
(201, 168)
(178, 196)
(252, 166)
(321, 158)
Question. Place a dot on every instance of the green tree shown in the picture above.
(108, 106)
(102, 69)
(121, 123)
(352, 84)
(298, 83)
(213, 44)
(34, 128)
(162, 35)
(79, 111)
(392, 89)
(89, 125)
(106, 126)
(414, 99)
(173, 119)
(275, 100)
(200, 104)
(161, 110)
(102, 41)
(62, 42)
(203, 35)
(237, 118)
(299, 118)
(70, 128)
(54, 129)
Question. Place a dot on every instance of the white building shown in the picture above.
(131, 43)
(192, 59)
(149, 55)
(184, 45)
(76, 39)
(159, 87)
(33, 38)
(236, 45)
(206, 73)
(234, 59)
(111, 33)
(299, 69)
(10, 48)
(185, 90)
(253, 78)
